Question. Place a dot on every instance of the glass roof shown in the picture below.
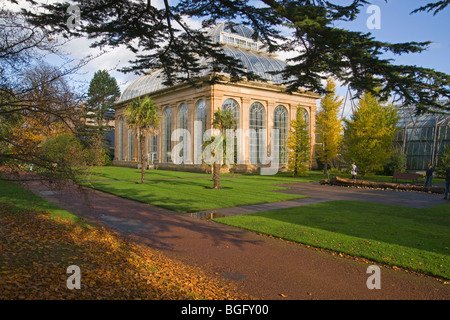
(409, 118)
(231, 28)
(246, 50)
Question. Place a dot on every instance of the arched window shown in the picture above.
(257, 123)
(200, 115)
(280, 122)
(233, 106)
(182, 116)
(130, 144)
(166, 134)
(153, 148)
(121, 138)
(305, 115)
(182, 123)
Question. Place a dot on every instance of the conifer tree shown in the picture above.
(102, 94)
(298, 145)
(329, 126)
(369, 134)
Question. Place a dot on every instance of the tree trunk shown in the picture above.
(142, 142)
(325, 168)
(216, 175)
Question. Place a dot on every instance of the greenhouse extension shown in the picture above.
(422, 137)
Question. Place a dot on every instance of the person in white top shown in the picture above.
(354, 171)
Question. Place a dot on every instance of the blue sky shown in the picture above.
(397, 25)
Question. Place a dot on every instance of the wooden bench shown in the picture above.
(406, 176)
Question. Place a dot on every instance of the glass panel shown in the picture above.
(305, 115)
(183, 124)
(200, 114)
(257, 122)
(166, 132)
(130, 145)
(281, 123)
(153, 148)
(121, 139)
(233, 106)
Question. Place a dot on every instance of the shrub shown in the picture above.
(443, 162)
(397, 163)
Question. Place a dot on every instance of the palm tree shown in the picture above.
(222, 120)
(142, 116)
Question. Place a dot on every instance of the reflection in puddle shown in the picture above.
(206, 215)
(233, 276)
(127, 225)
(49, 192)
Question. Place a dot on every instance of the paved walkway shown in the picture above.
(321, 193)
(261, 266)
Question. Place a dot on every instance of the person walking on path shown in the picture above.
(354, 171)
(447, 181)
(429, 175)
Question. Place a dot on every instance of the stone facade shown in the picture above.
(244, 93)
(257, 106)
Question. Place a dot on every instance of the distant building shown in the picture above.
(255, 106)
(109, 132)
(422, 138)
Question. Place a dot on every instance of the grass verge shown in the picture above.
(415, 239)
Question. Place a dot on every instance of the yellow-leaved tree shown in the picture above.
(329, 126)
(299, 147)
(369, 134)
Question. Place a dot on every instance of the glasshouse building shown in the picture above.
(257, 107)
(422, 138)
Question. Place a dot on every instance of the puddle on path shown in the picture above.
(233, 276)
(49, 192)
(205, 215)
(127, 225)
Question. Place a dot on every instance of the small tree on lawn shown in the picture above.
(329, 126)
(298, 145)
(142, 116)
(222, 120)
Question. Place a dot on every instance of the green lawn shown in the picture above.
(192, 194)
(121, 173)
(417, 239)
(124, 173)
